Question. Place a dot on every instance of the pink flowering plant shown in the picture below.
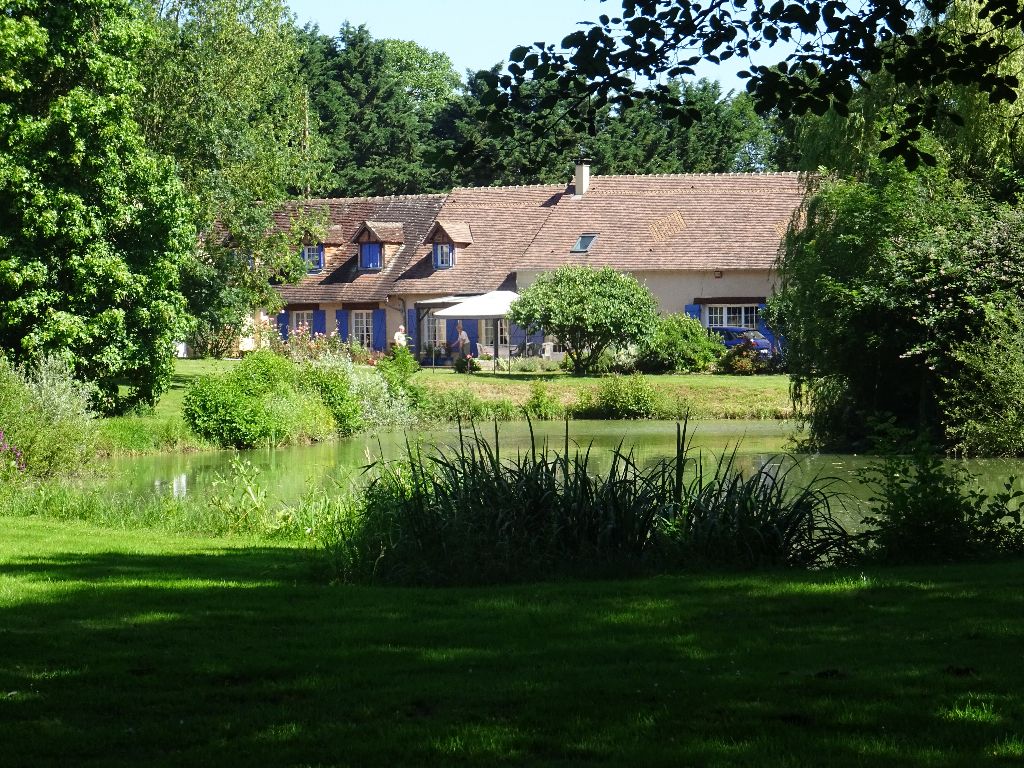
(12, 461)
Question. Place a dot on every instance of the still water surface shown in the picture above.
(288, 473)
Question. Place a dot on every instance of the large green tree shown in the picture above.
(884, 285)
(94, 229)
(223, 96)
(830, 48)
(587, 309)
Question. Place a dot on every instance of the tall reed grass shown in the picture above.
(471, 515)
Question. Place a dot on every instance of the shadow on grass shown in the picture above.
(235, 657)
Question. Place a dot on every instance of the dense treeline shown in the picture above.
(398, 119)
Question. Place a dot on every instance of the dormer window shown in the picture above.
(369, 255)
(444, 255)
(585, 241)
(313, 255)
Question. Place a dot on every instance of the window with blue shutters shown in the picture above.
(313, 255)
(369, 255)
(444, 255)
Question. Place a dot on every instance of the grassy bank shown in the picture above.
(163, 428)
(705, 396)
(124, 648)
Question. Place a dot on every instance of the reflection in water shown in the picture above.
(179, 486)
(288, 473)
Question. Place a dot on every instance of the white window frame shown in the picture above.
(362, 327)
(311, 255)
(486, 336)
(733, 315)
(437, 331)
(445, 255)
(301, 321)
(580, 246)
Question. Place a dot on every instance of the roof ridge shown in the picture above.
(509, 186)
(701, 174)
(422, 196)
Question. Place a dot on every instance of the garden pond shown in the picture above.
(288, 473)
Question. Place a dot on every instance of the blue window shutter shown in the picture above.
(412, 333)
(692, 310)
(451, 334)
(436, 254)
(341, 317)
(370, 255)
(762, 326)
(473, 331)
(282, 325)
(320, 256)
(319, 320)
(379, 330)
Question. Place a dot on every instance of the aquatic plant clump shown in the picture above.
(470, 515)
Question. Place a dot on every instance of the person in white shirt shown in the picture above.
(400, 338)
(461, 346)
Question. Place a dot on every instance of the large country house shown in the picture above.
(704, 244)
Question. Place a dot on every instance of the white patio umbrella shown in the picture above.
(488, 306)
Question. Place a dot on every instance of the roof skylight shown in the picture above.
(584, 242)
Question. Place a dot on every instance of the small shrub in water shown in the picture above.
(928, 510)
(620, 397)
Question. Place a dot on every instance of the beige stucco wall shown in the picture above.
(674, 290)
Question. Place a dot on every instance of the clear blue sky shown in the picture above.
(475, 34)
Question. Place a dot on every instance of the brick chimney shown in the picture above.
(582, 180)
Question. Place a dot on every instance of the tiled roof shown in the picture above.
(503, 220)
(384, 231)
(341, 280)
(459, 232)
(644, 223)
(669, 222)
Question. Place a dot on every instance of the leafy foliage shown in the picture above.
(679, 343)
(222, 96)
(258, 403)
(47, 426)
(95, 229)
(373, 104)
(888, 278)
(836, 47)
(587, 309)
(620, 397)
(928, 510)
(982, 402)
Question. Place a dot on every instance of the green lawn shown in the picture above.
(726, 397)
(163, 428)
(139, 648)
(709, 396)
